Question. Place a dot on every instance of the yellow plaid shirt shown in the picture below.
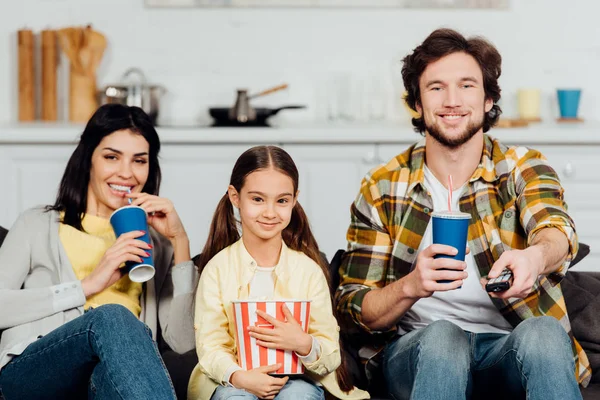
(511, 196)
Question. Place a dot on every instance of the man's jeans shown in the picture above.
(106, 353)
(442, 361)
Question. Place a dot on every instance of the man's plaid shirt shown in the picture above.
(511, 196)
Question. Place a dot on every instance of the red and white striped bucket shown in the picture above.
(251, 355)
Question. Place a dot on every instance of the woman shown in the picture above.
(73, 324)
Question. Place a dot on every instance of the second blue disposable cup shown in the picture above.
(568, 102)
(133, 218)
(451, 228)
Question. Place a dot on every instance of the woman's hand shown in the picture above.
(163, 217)
(108, 271)
(258, 381)
(284, 335)
(161, 214)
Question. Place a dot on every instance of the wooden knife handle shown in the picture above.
(26, 73)
(49, 67)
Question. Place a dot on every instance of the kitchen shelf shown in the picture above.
(543, 133)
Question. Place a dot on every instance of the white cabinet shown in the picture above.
(330, 177)
(578, 168)
(30, 177)
(195, 178)
(196, 167)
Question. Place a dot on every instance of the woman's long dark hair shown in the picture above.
(109, 118)
(297, 235)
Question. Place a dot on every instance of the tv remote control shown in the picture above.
(501, 283)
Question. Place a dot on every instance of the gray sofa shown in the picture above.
(582, 297)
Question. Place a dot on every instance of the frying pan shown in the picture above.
(221, 115)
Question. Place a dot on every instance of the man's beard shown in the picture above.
(453, 143)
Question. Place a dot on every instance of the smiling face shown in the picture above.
(453, 99)
(265, 203)
(119, 164)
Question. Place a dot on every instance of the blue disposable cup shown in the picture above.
(451, 228)
(133, 218)
(568, 102)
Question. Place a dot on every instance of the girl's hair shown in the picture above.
(109, 118)
(297, 235)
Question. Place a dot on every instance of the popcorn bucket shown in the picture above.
(251, 355)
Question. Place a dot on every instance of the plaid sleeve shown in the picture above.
(367, 258)
(540, 198)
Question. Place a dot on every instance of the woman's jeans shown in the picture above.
(442, 361)
(294, 389)
(106, 353)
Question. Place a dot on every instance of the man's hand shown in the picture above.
(428, 270)
(284, 335)
(383, 308)
(526, 265)
(258, 381)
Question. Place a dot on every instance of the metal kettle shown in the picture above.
(242, 111)
(134, 91)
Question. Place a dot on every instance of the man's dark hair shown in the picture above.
(443, 42)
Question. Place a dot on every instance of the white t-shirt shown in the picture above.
(469, 307)
(262, 284)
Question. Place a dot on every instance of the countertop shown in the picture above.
(542, 133)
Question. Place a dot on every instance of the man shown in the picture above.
(455, 340)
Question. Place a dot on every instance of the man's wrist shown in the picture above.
(537, 254)
(405, 290)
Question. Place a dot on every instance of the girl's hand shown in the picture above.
(286, 335)
(258, 381)
(108, 271)
(161, 214)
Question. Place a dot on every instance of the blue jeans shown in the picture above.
(106, 353)
(442, 361)
(294, 389)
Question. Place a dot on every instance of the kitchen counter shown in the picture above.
(543, 133)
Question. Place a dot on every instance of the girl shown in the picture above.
(73, 325)
(276, 257)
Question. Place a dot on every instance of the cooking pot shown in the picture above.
(243, 114)
(134, 91)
